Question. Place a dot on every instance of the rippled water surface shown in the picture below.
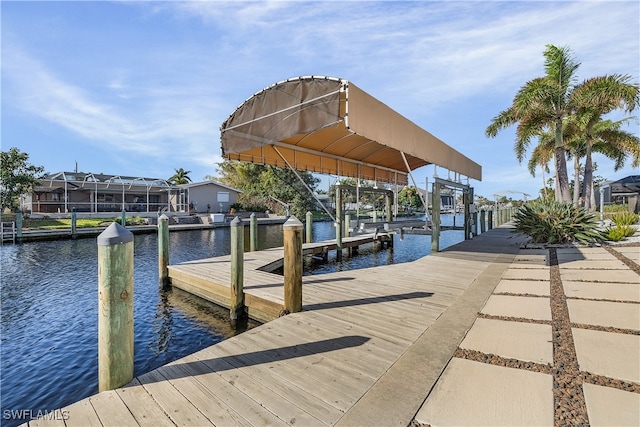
(49, 292)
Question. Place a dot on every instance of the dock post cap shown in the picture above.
(163, 217)
(236, 222)
(253, 215)
(292, 222)
(115, 234)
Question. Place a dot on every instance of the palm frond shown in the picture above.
(560, 66)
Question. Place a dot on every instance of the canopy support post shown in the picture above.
(357, 200)
(415, 184)
(303, 183)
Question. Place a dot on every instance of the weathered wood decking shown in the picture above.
(353, 347)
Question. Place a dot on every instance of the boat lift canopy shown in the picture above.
(328, 125)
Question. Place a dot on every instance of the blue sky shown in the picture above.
(141, 88)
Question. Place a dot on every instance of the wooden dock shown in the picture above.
(351, 349)
(264, 294)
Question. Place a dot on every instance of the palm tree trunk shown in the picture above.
(562, 178)
(587, 189)
(576, 180)
(544, 185)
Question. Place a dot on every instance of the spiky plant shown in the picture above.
(556, 222)
(619, 232)
(625, 218)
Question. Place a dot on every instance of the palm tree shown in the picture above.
(593, 99)
(609, 139)
(180, 177)
(606, 137)
(543, 103)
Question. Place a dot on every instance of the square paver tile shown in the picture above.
(607, 291)
(608, 406)
(533, 287)
(474, 393)
(568, 255)
(518, 340)
(605, 313)
(529, 265)
(633, 253)
(525, 307)
(604, 276)
(610, 354)
(527, 274)
(595, 264)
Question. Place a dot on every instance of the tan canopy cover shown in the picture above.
(330, 126)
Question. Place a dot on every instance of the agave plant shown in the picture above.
(619, 232)
(625, 218)
(556, 222)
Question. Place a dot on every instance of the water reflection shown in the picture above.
(162, 325)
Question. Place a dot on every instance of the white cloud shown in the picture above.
(174, 123)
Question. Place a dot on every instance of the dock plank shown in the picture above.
(144, 409)
(206, 373)
(111, 410)
(292, 404)
(82, 414)
(173, 403)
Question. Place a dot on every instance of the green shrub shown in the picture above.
(556, 222)
(625, 218)
(615, 208)
(619, 232)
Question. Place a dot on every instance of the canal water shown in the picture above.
(49, 294)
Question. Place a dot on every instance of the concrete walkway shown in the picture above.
(557, 342)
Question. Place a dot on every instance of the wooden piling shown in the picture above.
(236, 306)
(292, 265)
(347, 225)
(163, 250)
(338, 223)
(466, 201)
(483, 224)
(309, 227)
(19, 226)
(388, 206)
(475, 222)
(490, 220)
(253, 233)
(123, 218)
(115, 307)
(435, 218)
(74, 218)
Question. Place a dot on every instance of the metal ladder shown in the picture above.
(8, 228)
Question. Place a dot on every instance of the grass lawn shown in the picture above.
(65, 223)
